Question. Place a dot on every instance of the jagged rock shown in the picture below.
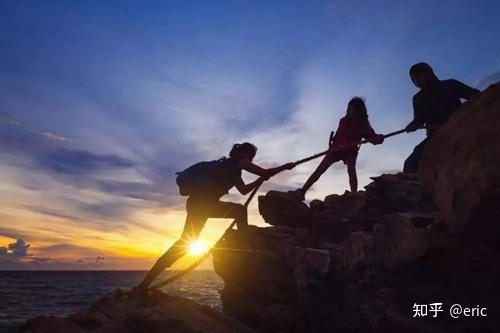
(356, 252)
(461, 166)
(346, 204)
(343, 207)
(398, 241)
(398, 193)
(316, 206)
(332, 227)
(333, 222)
(367, 259)
(283, 208)
(158, 313)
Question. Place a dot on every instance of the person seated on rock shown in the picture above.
(352, 128)
(432, 106)
(207, 204)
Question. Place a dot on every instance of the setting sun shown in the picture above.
(197, 248)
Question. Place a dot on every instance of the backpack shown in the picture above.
(197, 177)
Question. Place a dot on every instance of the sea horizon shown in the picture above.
(26, 294)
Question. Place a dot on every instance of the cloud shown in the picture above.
(8, 232)
(77, 162)
(57, 256)
(17, 249)
(53, 136)
(67, 248)
(20, 126)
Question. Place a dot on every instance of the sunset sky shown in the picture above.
(101, 102)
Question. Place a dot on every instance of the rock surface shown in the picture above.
(361, 267)
(461, 166)
(158, 313)
(283, 208)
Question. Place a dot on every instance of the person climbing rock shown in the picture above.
(352, 128)
(204, 202)
(432, 106)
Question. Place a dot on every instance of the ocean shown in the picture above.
(26, 294)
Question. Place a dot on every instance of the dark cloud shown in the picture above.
(16, 141)
(50, 212)
(18, 249)
(15, 137)
(109, 210)
(9, 233)
(157, 192)
(40, 260)
(67, 247)
(78, 162)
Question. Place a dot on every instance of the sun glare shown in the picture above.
(197, 248)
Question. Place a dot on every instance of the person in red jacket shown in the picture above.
(352, 128)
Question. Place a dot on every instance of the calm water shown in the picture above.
(27, 294)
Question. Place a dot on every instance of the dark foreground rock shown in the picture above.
(284, 208)
(461, 166)
(159, 313)
(362, 267)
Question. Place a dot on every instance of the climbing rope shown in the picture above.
(249, 199)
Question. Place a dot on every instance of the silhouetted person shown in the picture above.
(352, 128)
(207, 204)
(432, 106)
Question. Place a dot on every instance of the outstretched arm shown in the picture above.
(247, 188)
(372, 136)
(267, 173)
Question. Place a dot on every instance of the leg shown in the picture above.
(353, 177)
(412, 162)
(232, 210)
(327, 161)
(192, 228)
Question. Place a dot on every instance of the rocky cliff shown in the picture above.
(461, 166)
(357, 263)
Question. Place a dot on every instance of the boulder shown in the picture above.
(398, 241)
(158, 313)
(396, 193)
(316, 206)
(346, 204)
(284, 208)
(461, 166)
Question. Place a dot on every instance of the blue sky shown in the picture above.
(102, 102)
